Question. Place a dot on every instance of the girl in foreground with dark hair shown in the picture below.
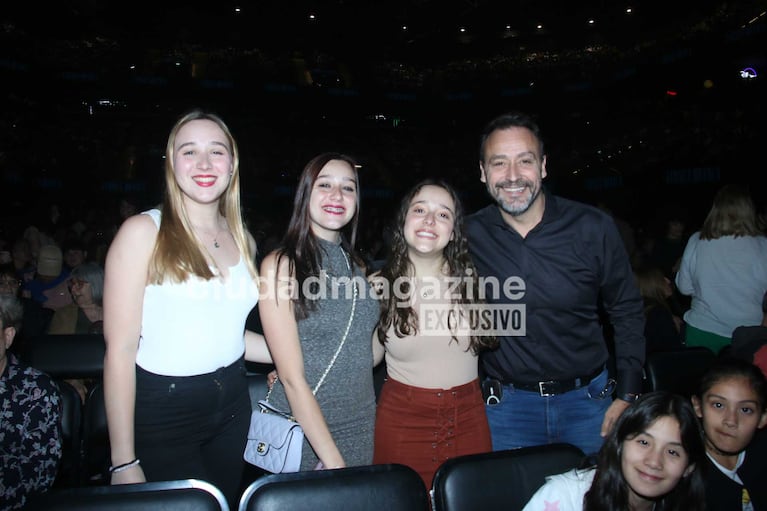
(317, 313)
(430, 408)
(649, 461)
(731, 407)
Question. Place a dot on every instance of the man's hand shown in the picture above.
(612, 414)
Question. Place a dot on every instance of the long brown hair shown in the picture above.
(177, 253)
(652, 287)
(458, 261)
(300, 245)
(732, 214)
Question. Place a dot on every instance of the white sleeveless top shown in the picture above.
(197, 326)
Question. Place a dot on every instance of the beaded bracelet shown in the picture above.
(124, 466)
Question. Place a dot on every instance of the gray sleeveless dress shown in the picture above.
(346, 397)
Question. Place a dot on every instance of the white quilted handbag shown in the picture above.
(275, 440)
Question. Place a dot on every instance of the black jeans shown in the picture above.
(194, 426)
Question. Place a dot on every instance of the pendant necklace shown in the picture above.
(216, 244)
(215, 239)
(428, 287)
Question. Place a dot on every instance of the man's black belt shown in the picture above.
(554, 387)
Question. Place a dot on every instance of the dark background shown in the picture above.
(641, 110)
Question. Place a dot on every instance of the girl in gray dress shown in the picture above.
(317, 313)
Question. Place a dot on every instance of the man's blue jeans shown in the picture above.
(524, 418)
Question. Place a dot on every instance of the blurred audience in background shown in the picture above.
(75, 253)
(84, 315)
(49, 285)
(662, 327)
(35, 319)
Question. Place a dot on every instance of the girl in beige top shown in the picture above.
(430, 408)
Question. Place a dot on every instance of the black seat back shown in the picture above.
(366, 488)
(74, 356)
(182, 495)
(95, 438)
(66, 356)
(502, 479)
(71, 415)
(677, 371)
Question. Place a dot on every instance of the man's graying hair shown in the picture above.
(506, 121)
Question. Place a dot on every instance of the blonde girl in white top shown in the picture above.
(180, 282)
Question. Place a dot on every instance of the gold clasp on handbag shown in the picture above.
(261, 448)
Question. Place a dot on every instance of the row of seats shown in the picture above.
(85, 435)
(496, 480)
(85, 439)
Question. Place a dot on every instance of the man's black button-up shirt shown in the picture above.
(573, 259)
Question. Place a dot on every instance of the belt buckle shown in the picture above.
(541, 388)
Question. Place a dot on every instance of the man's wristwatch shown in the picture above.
(629, 397)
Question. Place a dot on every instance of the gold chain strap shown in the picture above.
(343, 339)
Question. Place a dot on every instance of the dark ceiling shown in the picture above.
(603, 74)
(432, 45)
(426, 31)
